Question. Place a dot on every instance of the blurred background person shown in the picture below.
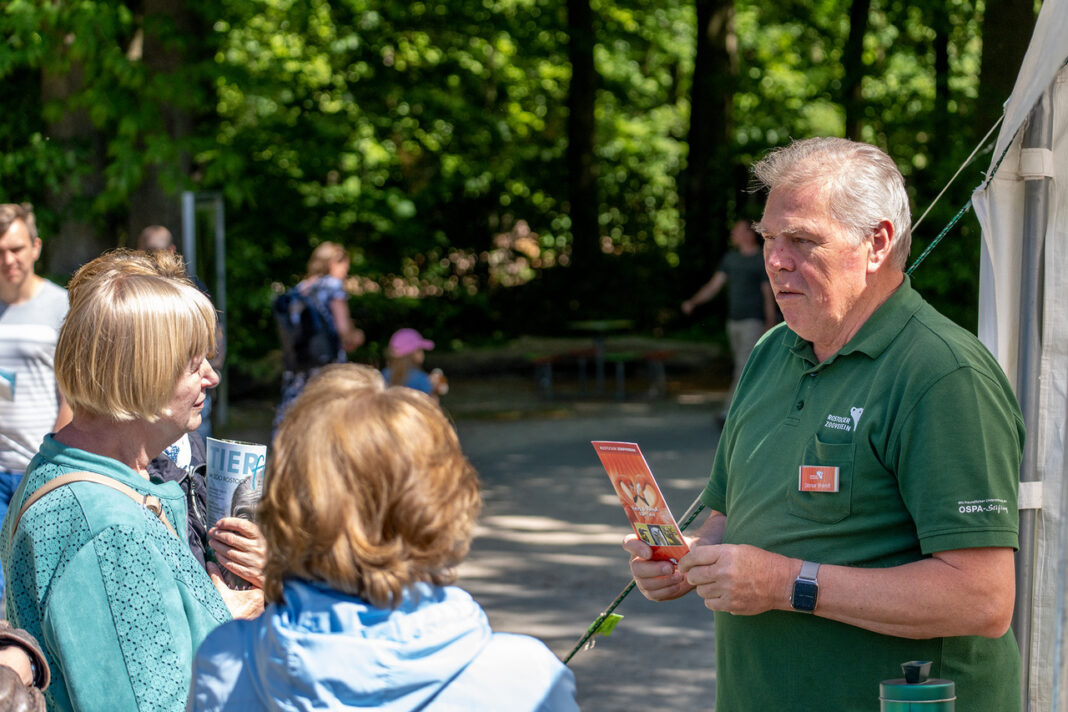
(751, 308)
(405, 356)
(31, 312)
(106, 584)
(365, 523)
(323, 289)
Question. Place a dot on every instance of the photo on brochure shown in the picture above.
(641, 498)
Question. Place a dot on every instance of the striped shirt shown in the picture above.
(29, 400)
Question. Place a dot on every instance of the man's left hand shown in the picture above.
(738, 578)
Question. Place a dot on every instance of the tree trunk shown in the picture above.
(942, 145)
(708, 183)
(151, 203)
(1007, 28)
(581, 171)
(853, 63)
(76, 240)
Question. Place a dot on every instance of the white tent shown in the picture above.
(1023, 320)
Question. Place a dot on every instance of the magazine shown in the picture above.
(642, 500)
(235, 483)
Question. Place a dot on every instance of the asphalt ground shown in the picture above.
(546, 559)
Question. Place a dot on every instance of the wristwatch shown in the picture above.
(806, 588)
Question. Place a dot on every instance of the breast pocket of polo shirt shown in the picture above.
(824, 507)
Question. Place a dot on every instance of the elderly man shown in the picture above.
(31, 312)
(863, 495)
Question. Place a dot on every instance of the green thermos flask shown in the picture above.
(915, 693)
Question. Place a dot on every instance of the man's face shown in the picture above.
(18, 252)
(817, 271)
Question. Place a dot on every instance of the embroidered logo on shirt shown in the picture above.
(817, 478)
(841, 422)
(856, 413)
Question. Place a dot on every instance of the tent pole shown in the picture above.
(1039, 134)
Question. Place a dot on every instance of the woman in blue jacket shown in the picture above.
(367, 508)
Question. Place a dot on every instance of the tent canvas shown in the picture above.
(1023, 320)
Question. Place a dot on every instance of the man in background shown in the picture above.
(31, 311)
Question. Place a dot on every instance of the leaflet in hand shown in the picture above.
(642, 501)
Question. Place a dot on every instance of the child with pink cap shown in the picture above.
(404, 360)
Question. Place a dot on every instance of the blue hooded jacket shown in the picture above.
(321, 649)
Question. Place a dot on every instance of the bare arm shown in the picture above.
(351, 337)
(959, 592)
(705, 293)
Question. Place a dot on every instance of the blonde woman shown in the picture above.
(324, 286)
(365, 523)
(106, 584)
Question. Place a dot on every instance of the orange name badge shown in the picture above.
(817, 478)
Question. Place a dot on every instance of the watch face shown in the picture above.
(804, 598)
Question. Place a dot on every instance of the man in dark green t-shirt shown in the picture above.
(863, 494)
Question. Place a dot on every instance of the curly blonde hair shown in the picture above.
(367, 490)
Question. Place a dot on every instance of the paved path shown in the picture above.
(546, 559)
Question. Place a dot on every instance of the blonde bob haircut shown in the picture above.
(132, 331)
(367, 490)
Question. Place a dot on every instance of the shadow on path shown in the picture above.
(547, 560)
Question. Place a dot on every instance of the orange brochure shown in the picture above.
(642, 501)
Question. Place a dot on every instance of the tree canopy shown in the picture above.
(493, 166)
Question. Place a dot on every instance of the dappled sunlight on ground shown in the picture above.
(547, 556)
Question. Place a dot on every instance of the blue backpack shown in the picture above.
(309, 339)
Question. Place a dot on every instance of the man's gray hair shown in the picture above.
(862, 185)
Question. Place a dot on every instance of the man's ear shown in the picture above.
(36, 248)
(882, 240)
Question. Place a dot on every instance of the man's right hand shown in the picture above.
(657, 580)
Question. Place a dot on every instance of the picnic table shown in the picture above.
(599, 329)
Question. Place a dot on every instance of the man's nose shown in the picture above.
(775, 257)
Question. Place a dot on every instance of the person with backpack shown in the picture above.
(314, 323)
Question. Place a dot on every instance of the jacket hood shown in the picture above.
(325, 649)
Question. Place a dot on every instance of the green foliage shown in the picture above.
(429, 138)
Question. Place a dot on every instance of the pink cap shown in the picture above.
(405, 341)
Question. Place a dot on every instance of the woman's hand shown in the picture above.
(244, 605)
(240, 548)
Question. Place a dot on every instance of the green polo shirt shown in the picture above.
(904, 443)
